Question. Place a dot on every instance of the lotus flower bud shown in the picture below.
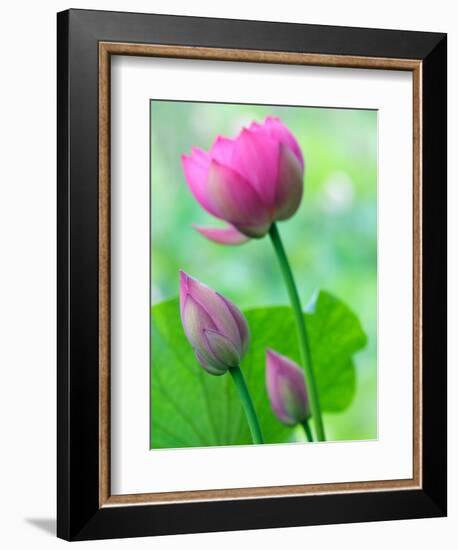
(214, 326)
(250, 181)
(286, 389)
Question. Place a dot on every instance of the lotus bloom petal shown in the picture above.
(214, 326)
(222, 235)
(195, 167)
(277, 130)
(290, 187)
(255, 156)
(250, 181)
(222, 150)
(235, 200)
(286, 388)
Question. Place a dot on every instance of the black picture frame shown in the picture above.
(79, 514)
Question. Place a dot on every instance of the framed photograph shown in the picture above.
(251, 274)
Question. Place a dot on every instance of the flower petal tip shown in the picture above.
(183, 276)
(222, 235)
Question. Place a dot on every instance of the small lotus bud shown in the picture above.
(286, 389)
(214, 326)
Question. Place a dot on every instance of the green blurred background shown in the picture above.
(331, 241)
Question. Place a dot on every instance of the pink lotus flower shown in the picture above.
(250, 181)
(215, 327)
(286, 389)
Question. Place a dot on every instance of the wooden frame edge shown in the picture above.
(106, 49)
(104, 276)
(243, 493)
(417, 354)
(256, 56)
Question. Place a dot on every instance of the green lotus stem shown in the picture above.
(304, 345)
(307, 430)
(250, 413)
